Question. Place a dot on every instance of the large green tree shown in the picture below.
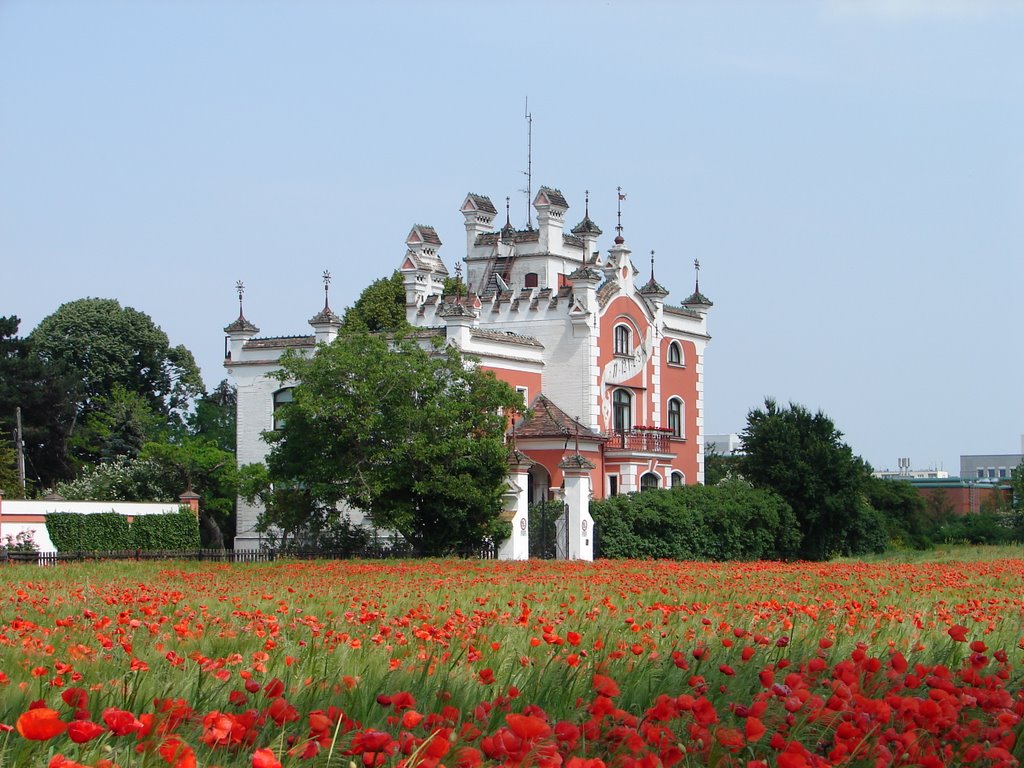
(46, 394)
(801, 456)
(108, 345)
(380, 307)
(413, 437)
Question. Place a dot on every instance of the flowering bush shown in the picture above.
(23, 541)
(467, 663)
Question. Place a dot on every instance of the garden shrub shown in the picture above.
(730, 521)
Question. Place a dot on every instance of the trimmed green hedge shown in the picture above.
(730, 521)
(178, 530)
(71, 532)
(109, 531)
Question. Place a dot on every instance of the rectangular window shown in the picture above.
(991, 473)
(1002, 472)
(981, 474)
(613, 485)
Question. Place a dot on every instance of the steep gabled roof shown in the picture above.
(549, 196)
(480, 203)
(546, 419)
(421, 233)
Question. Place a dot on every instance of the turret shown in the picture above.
(551, 208)
(238, 332)
(588, 232)
(325, 323)
(479, 212)
(459, 318)
(423, 272)
(697, 301)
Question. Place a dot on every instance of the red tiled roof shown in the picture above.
(546, 419)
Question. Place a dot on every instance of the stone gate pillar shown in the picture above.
(579, 525)
(517, 508)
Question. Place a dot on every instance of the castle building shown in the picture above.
(612, 373)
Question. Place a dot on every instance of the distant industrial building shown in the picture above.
(993, 467)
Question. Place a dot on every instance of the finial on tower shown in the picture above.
(652, 264)
(241, 325)
(327, 285)
(508, 217)
(696, 269)
(619, 239)
(586, 204)
(458, 282)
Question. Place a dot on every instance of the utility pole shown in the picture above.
(19, 447)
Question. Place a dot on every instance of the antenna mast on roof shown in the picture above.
(529, 163)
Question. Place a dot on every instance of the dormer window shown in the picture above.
(623, 340)
(675, 353)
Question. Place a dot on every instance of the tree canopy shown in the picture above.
(46, 394)
(801, 456)
(108, 345)
(379, 308)
(415, 438)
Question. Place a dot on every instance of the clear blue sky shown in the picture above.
(850, 175)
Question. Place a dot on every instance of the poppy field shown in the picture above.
(464, 663)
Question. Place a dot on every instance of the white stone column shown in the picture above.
(517, 509)
(579, 524)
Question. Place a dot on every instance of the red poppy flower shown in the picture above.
(605, 686)
(82, 731)
(76, 698)
(958, 632)
(265, 758)
(40, 724)
(527, 726)
(120, 721)
(753, 729)
(177, 753)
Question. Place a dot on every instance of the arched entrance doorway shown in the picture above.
(540, 485)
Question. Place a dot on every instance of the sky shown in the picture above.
(849, 174)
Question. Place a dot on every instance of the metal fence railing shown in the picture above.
(487, 552)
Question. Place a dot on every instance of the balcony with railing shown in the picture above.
(642, 440)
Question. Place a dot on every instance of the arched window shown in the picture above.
(675, 354)
(530, 280)
(675, 417)
(281, 397)
(622, 411)
(623, 340)
(678, 479)
(648, 481)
